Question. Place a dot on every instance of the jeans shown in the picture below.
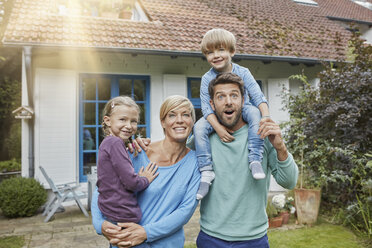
(206, 241)
(203, 129)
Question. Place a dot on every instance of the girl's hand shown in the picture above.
(137, 233)
(149, 172)
(224, 135)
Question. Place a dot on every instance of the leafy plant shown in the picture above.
(10, 166)
(21, 196)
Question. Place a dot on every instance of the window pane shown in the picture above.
(125, 87)
(89, 88)
(89, 113)
(139, 90)
(104, 89)
(101, 106)
(89, 160)
(142, 132)
(195, 88)
(89, 139)
(142, 114)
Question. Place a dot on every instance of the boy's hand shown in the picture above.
(149, 172)
(224, 135)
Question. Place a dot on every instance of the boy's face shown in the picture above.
(220, 59)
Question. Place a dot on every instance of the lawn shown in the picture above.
(12, 242)
(320, 236)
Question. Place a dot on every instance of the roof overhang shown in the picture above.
(348, 20)
(172, 53)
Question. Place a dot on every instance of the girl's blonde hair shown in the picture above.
(176, 102)
(110, 107)
(216, 38)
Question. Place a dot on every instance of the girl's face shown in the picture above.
(178, 124)
(122, 122)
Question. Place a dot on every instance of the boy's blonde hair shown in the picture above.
(176, 102)
(217, 37)
(110, 107)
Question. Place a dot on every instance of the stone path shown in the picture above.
(70, 229)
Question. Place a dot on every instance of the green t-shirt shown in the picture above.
(235, 207)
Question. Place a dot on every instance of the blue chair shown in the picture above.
(62, 193)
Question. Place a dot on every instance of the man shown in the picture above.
(233, 212)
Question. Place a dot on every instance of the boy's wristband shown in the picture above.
(265, 116)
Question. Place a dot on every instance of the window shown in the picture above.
(95, 91)
(193, 93)
(306, 2)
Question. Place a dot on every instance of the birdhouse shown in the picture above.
(23, 112)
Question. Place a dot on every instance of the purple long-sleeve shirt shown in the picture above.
(117, 182)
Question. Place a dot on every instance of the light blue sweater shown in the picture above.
(166, 205)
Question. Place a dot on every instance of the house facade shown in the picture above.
(75, 60)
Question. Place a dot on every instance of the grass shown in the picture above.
(12, 242)
(319, 236)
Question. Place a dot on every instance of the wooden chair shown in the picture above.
(62, 193)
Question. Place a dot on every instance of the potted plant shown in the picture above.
(285, 206)
(275, 220)
(307, 194)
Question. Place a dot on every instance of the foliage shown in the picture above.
(12, 242)
(21, 196)
(271, 210)
(10, 166)
(10, 99)
(329, 131)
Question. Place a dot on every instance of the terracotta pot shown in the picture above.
(275, 222)
(307, 202)
(285, 216)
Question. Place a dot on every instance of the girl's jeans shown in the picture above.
(203, 129)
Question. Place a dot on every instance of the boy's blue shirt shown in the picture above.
(252, 90)
(167, 204)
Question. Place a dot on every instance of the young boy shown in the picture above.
(218, 46)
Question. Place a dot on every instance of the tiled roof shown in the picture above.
(262, 27)
(345, 9)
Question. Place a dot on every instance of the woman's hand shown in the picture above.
(115, 234)
(139, 143)
(136, 233)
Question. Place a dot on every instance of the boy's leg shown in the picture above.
(252, 116)
(202, 129)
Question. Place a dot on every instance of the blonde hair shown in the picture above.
(216, 38)
(110, 107)
(176, 102)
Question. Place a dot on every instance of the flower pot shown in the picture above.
(285, 216)
(307, 203)
(275, 222)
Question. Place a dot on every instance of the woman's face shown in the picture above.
(178, 124)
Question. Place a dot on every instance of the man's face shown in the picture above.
(227, 103)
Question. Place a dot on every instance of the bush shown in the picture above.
(21, 197)
(9, 166)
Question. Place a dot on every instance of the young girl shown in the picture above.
(117, 182)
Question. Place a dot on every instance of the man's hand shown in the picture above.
(115, 234)
(139, 143)
(268, 128)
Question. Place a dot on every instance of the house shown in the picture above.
(76, 56)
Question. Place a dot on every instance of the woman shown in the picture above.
(169, 202)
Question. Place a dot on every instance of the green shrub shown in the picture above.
(21, 196)
(10, 166)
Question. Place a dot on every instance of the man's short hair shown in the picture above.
(216, 38)
(226, 78)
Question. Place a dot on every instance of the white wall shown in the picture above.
(275, 86)
(56, 125)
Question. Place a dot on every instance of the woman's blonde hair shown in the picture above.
(110, 107)
(216, 38)
(176, 102)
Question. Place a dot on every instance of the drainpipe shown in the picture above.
(30, 93)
